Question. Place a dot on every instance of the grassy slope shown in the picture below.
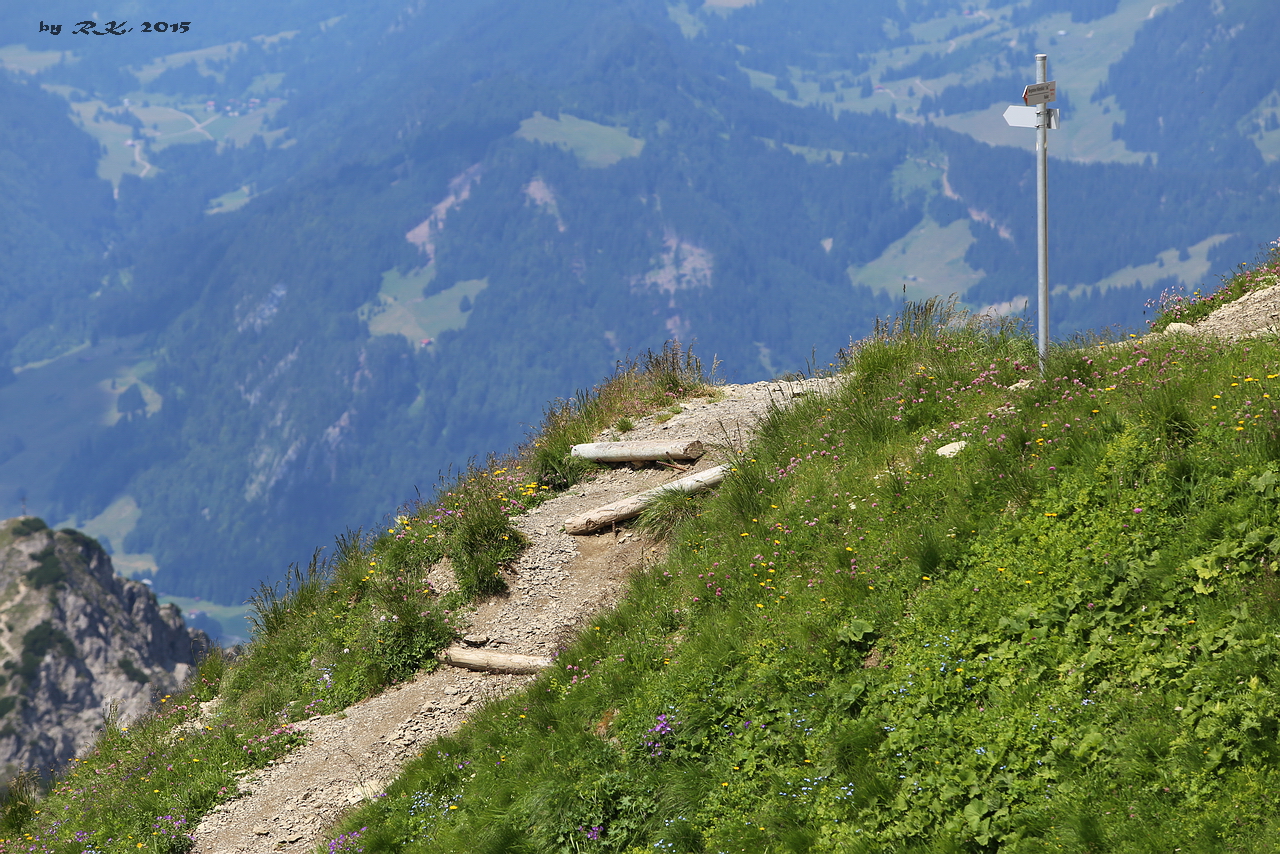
(595, 145)
(1063, 638)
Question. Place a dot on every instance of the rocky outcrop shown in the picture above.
(76, 639)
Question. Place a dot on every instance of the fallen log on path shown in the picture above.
(633, 452)
(494, 662)
(628, 508)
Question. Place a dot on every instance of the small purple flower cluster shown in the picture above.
(581, 674)
(443, 515)
(713, 584)
(1173, 304)
(663, 727)
(349, 843)
(172, 828)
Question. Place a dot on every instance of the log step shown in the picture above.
(493, 662)
(634, 452)
(628, 508)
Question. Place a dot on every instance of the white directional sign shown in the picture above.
(1018, 116)
(1040, 93)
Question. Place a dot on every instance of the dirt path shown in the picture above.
(558, 582)
(195, 124)
(137, 159)
(200, 125)
(1255, 313)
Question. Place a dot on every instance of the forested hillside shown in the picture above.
(54, 214)
(335, 253)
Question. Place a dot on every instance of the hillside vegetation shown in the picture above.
(1062, 637)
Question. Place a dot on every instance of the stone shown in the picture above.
(104, 619)
(1179, 329)
(952, 449)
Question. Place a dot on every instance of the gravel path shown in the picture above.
(1255, 313)
(557, 584)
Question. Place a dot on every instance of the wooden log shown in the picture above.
(493, 662)
(630, 452)
(628, 508)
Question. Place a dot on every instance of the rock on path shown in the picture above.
(1255, 313)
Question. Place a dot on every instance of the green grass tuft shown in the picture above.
(29, 525)
(48, 570)
(667, 511)
(637, 388)
(134, 672)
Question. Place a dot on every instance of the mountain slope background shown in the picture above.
(343, 252)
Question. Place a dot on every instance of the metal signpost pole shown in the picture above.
(1035, 113)
(1042, 208)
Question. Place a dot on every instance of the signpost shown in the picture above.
(1034, 114)
(1028, 117)
(1040, 93)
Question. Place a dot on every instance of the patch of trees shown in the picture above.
(37, 643)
